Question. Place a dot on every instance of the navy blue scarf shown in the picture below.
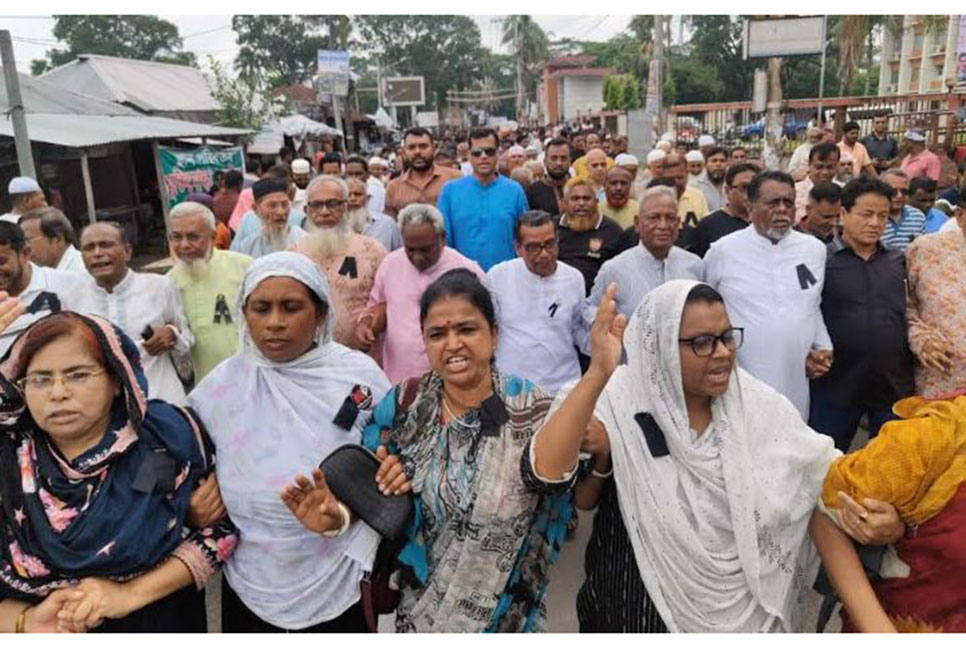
(116, 510)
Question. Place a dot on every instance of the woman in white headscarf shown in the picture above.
(276, 408)
(706, 477)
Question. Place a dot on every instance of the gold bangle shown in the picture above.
(21, 620)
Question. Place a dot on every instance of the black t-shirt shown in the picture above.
(587, 251)
(542, 196)
(715, 225)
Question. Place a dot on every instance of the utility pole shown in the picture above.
(519, 52)
(773, 120)
(653, 105)
(25, 156)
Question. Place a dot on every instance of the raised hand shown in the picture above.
(607, 334)
(313, 504)
(390, 477)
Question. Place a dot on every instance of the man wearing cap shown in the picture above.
(861, 162)
(919, 160)
(272, 206)
(846, 170)
(378, 172)
(618, 204)
(629, 162)
(547, 194)
(301, 174)
(695, 160)
(655, 165)
(705, 144)
(883, 150)
(711, 179)
(513, 159)
(25, 194)
(244, 221)
(51, 238)
(423, 180)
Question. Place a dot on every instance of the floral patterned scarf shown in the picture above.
(116, 510)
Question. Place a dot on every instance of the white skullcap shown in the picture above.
(706, 140)
(22, 185)
(377, 161)
(656, 156)
(694, 156)
(626, 159)
(915, 136)
(516, 149)
(301, 166)
(846, 157)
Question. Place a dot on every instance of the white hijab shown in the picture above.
(270, 421)
(720, 526)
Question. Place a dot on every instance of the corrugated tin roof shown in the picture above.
(41, 97)
(97, 130)
(147, 85)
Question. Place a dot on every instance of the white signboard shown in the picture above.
(332, 72)
(784, 37)
(429, 119)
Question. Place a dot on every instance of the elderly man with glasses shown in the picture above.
(349, 260)
(480, 210)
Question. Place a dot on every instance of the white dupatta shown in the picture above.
(720, 526)
(270, 421)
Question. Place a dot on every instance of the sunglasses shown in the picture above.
(489, 151)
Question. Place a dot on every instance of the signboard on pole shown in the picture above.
(766, 38)
(404, 91)
(428, 119)
(332, 72)
(961, 56)
(185, 171)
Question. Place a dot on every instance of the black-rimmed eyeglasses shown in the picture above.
(705, 345)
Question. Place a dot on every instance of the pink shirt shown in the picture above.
(400, 286)
(925, 164)
(244, 205)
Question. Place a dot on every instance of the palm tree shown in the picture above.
(529, 45)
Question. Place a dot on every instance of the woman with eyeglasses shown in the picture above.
(96, 489)
(705, 478)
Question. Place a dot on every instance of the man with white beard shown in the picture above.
(276, 234)
(209, 280)
(365, 220)
(349, 260)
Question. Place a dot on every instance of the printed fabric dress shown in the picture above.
(486, 529)
(917, 464)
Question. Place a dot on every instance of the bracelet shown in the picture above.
(21, 620)
(600, 475)
(346, 521)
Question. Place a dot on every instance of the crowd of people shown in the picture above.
(512, 328)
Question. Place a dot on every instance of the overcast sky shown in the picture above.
(212, 35)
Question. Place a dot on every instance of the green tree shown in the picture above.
(281, 50)
(243, 104)
(445, 50)
(716, 43)
(693, 81)
(147, 38)
(529, 46)
(630, 94)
